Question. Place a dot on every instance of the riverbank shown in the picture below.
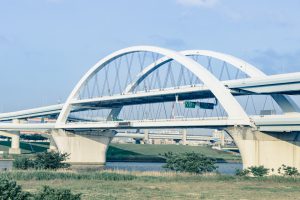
(153, 153)
(159, 185)
(136, 152)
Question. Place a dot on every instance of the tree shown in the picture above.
(189, 162)
(9, 190)
(46, 160)
(51, 160)
(23, 163)
(48, 193)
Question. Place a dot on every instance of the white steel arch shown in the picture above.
(226, 99)
(285, 103)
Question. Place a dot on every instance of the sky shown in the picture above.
(47, 45)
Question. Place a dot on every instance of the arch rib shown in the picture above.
(285, 103)
(229, 103)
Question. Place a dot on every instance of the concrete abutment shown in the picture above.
(87, 149)
(268, 149)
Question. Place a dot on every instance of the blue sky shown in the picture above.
(47, 45)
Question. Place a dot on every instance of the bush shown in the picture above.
(288, 171)
(50, 160)
(189, 162)
(244, 172)
(9, 190)
(48, 193)
(23, 163)
(259, 171)
(46, 160)
(256, 171)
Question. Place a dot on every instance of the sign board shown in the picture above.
(208, 106)
(124, 124)
(203, 105)
(189, 104)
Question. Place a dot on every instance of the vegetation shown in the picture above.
(23, 163)
(9, 190)
(259, 171)
(45, 160)
(133, 152)
(33, 137)
(256, 171)
(242, 172)
(56, 175)
(26, 148)
(153, 153)
(50, 160)
(189, 162)
(288, 171)
(49, 193)
(158, 185)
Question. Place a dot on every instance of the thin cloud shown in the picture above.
(54, 1)
(4, 40)
(177, 43)
(198, 3)
(273, 62)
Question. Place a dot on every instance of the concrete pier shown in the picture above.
(15, 144)
(15, 141)
(87, 148)
(268, 149)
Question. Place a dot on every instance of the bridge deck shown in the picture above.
(277, 123)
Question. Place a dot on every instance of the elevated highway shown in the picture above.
(267, 123)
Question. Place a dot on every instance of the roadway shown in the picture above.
(271, 123)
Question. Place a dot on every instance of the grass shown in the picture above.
(26, 148)
(133, 152)
(159, 185)
(147, 152)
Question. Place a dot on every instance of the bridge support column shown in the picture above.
(15, 141)
(15, 144)
(146, 136)
(184, 137)
(86, 148)
(268, 149)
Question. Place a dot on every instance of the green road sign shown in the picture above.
(204, 105)
(189, 104)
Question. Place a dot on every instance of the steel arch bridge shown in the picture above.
(147, 87)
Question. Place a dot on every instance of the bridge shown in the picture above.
(147, 87)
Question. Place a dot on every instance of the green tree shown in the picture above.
(23, 163)
(45, 160)
(189, 162)
(48, 193)
(51, 160)
(9, 190)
